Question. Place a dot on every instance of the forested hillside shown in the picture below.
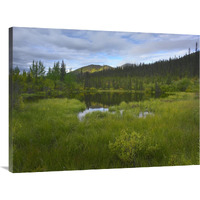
(177, 74)
(92, 68)
(137, 77)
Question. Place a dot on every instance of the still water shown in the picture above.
(101, 99)
(106, 99)
(81, 115)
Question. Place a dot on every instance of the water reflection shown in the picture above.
(106, 99)
(101, 99)
(81, 115)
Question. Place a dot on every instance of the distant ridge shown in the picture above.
(92, 68)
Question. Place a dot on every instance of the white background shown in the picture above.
(142, 16)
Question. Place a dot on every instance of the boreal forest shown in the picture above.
(173, 75)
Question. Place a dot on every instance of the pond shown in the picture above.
(107, 99)
(82, 114)
(101, 99)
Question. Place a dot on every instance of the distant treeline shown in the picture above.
(132, 76)
(187, 65)
(177, 74)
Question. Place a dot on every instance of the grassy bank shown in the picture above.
(47, 135)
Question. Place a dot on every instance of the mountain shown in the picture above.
(92, 68)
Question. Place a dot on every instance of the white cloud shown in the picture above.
(79, 48)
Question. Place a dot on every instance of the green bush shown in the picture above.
(183, 84)
(112, 108)
(128, 146)
(123, 105)
(136, 149)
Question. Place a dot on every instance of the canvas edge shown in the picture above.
(10, 154)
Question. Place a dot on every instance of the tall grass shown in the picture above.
(47, 135)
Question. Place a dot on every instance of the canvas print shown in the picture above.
(81, 99)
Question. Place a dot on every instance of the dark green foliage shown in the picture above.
(62, 71)
(37, 70)
(138, 77)
(48, 86)
(56, 71)
(183, 84)
(87, 80)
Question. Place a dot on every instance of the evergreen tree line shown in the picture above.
(132, 76)
(177, 74)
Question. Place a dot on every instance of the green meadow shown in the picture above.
(47, 134)
(144, 115)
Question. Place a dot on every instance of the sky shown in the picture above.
(79, 48)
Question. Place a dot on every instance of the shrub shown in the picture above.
(123, 105)
(136, 149)
(128, 146)
(112, 108)
(183, 84)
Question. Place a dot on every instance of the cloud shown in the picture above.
(78, 48)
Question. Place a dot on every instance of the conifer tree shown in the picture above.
(62, 71)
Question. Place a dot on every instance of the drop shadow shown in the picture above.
(5, 167)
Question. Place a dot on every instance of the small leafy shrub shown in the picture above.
(123, 105)
(112, 108)
(136, 149)
(128, 146)
(183, 84)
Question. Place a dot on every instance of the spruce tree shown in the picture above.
(62, 71)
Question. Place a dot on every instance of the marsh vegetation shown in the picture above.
(150, 117)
